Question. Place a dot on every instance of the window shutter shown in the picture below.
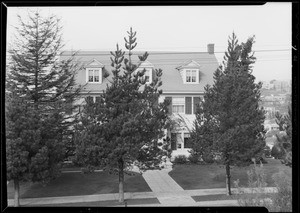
(188, 105)
(103, 74)
(170, 105)
(196, 103)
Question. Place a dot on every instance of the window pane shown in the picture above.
(178, 100)
(188, 78)
(97, 99)
(178, 109)
(96, 75)
(193, 78)
(147, 78)
(91, 74)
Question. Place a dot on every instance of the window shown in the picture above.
(179, 141)
(147, 76)
(93, 75)
(187, 142)
(191, 76)
(178, 105)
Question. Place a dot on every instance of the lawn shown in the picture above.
(129, 202)
(213, 176)
(72, 184)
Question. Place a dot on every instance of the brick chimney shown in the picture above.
(211, 48)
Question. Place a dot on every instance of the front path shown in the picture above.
(169, 193)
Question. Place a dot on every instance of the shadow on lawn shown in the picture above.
(72, 184)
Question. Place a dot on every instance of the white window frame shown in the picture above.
(150, 70)
(178, 104)
(185, 76)
(93, 69)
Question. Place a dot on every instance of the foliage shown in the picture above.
(277, 152)
(280, 201)
(256, 184)
(229, 120)
(267, 151)
(122, 129)
(208, 158)
(202, 135)
(180, 159)
(39, 91)
(193, 157)
(285, 141)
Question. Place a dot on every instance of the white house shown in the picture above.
(183, 80)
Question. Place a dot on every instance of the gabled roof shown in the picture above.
(94, 63)
(167, 61)
(145, 64)
(189, 64)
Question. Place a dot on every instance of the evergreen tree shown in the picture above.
(232, 122)
(40, 90)
(202, 135)
(122, 129)
(284, 142)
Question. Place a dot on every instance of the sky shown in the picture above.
(179, 28)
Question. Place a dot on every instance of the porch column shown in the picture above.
(182, 139)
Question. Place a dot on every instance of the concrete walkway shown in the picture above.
(169, 193)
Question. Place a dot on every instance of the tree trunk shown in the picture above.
(228, 188)
(17, 193)
(121, 181)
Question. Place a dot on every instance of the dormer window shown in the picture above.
(190, 72)
(94, 72)
(149, 71)
(94, 75)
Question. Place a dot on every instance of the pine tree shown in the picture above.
(40, 90)
(122, 129)
(230, 108)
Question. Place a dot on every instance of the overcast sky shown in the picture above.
(180, 28)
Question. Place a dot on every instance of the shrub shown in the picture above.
(180, 159)
(193, 158)
(282, 201)
(267, 151)
(277, 152)
(256, 183)
(208, 158)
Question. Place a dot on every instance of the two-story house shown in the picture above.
(184, 76)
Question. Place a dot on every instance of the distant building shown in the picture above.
(267, 85)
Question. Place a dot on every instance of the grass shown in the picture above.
(72, 184)
(192, 176)
(129, 202)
